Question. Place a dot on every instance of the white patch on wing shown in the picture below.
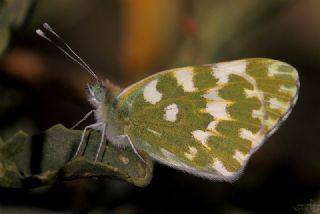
(191, 153)
(201, 136)
(218, 165)
(212, 94)
(212, 126)
(218, 110)
(250, 93)
(150, 92)
(239, 156)
(271, 122)
(273, 70)
(184, 78)
(154, 132)
(274, 103)
(247, 135)
(171, 112)
(287, 90)
(257, 114)
(221, 71)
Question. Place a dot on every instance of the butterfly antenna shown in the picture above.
(75, 57)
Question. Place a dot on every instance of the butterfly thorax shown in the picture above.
(102, 95)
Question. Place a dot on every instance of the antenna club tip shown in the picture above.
(68, 51)
(39, 32)
(46, 26)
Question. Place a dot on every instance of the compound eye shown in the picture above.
(100, 94)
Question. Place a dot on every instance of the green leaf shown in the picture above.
(32, 161)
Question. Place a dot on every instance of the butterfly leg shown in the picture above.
(83, 135)
(83, 119)
(102, 140)
(132, 146)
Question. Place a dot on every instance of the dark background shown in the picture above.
(127, 40)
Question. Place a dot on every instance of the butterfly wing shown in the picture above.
(208, 120)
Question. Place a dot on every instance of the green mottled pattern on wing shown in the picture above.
(245, 99)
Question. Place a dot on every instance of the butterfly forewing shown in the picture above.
(208, 120)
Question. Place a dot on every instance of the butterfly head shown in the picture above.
(96, 93)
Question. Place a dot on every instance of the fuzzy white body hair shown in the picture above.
(101, 115)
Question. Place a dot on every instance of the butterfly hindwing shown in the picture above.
(208, 120)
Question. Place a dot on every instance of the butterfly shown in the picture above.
(206, 120)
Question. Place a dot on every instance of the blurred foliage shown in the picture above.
(12, 15)
(127, 40)
(148, 32)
